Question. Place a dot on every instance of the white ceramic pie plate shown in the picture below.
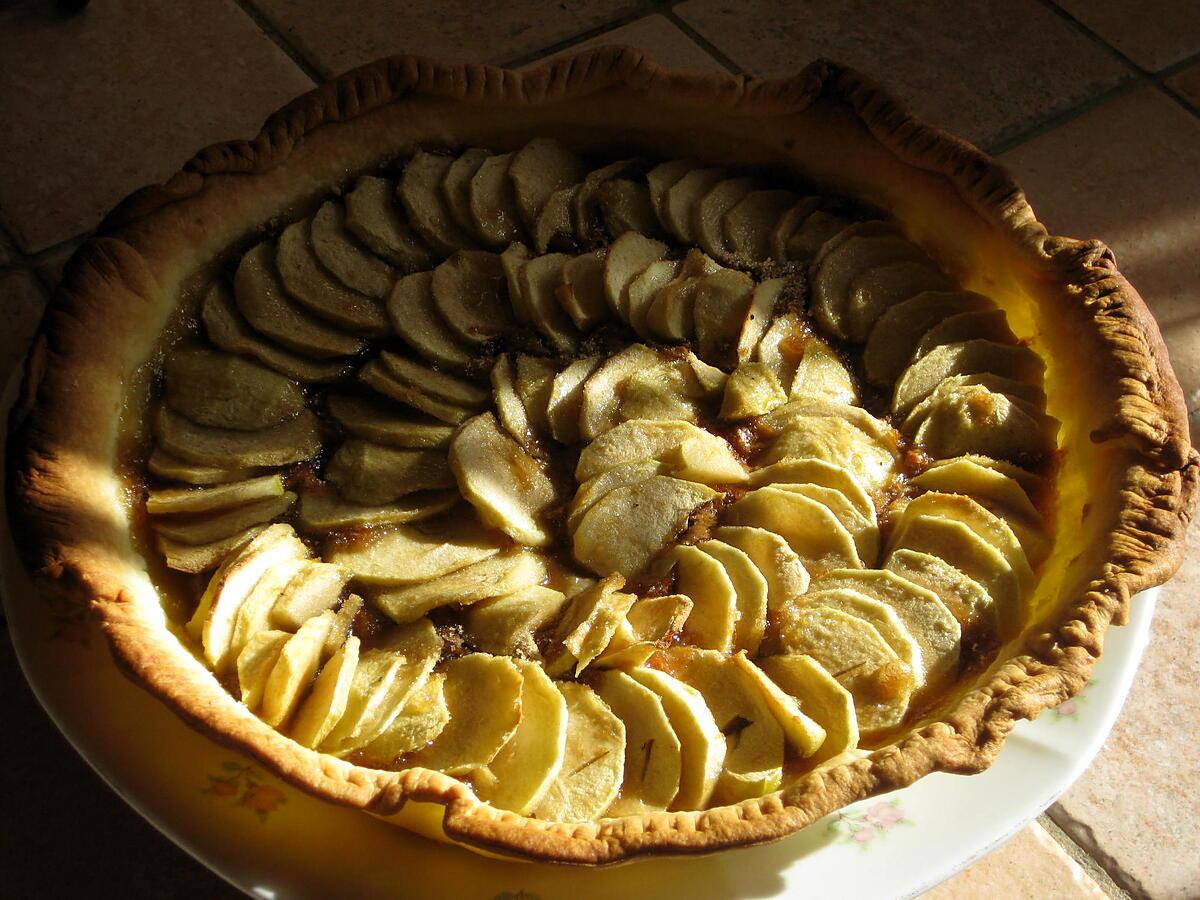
(274, 841)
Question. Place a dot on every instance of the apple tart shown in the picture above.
(599, 460)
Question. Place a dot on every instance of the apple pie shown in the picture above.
(599, 460)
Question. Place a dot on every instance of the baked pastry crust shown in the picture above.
(1130, 473)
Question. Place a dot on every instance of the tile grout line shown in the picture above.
(1062, 118)
(309, 67)
(641, 11)
(1086, 861)
(704, 43)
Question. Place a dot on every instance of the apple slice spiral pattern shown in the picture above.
(607, 487)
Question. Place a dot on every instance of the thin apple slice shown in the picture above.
(759, 316)
(966, 599)
(226, 329)
(554, 225)
(721, 303)
(456, 187)
(417, 725)
(701, 743)
(600, 406)
(375, 218)
(585, 214)
(254, 615)
(309, 284)
(660, 179)
(408, 554)
(625, 206)
(800, 732)
(627, 257)
(966, 358)
(528, 765)
(411, 308)
(492, 577)
(593, 762)
(505, 625)
(512, 263)
(537, 170)
(386, 424)
(900, 328)
(588, 624)
(483, 694)
(260, 297)
(812, 531)
(823, 375)
(821, 697)
(378, 376)
(811, 235)
(341, 254)
(293, 672)
(321, 710)
(509, 408)
(420, 193)
(971, 419)
(810, 470)
(880, 615)
(566, 399)
(364, 472)
(324, 510)
(167, 501)
(751, 391)
(627, 527)
(221, 390)
(987, 324)
(643, 289)
(540, 278)
(864, 529)
(714, 617)
(494, 203)
(708, 216)
(788, 225)
(194, 558)
(212, 623)
(204, 528)
(781, 344)
(875, 290)
(648, 625)
(749, 224)
(683, 198)
(671, 318)
(619, 476)
(581, 293)
(509, 489)
(873, 460)
(750, 591)
(317, 587)
(535, 382)
(652, 749)
(868, 668)
(254, 665)
(639, 439)
(164, 465)
(753, 764)
(446, 387)
(781, 568)
(468, 291)
(343, 622)
(668, 390)
(928, 620)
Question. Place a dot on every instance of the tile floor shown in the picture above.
(1092, 103)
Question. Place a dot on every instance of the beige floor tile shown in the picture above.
(22, 301)
(1029, 865)
(1137, 808)
(119, 96)
(1183, 343)
(492, 32)
(1154, 35)
(661, 38)
(986, 71)
(1125, 173)
(1187, 83)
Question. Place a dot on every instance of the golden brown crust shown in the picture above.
(120, 289)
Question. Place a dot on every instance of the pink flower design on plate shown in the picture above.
(244, 787)
(863, 828)
(1072, 706)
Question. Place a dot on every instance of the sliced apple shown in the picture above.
(343, 622)
(987, 324)
(593, 761)
(226, 329)
(540, 280)
(416, 726)
(643, 289)
(254, 615)
(164, 465)
(817, 471)
(821, 374)
(708, 215)
(750, 592)
(714, 617)
(293, 673)
(193, 558)
(882, 616)
(221, 390)
(378, 376)
(780, 346)
(873, 460)
(619, 476)
(629, 525)
(588, 625)
(321, 710)
(812, 531)
(535, 382)
(204, 528)
(966, 599)
(701, 743)
(753, 764)
(365, 472)
(528, 765)
(661, 178)
(751, 391)
(494, 203)
(600, 406)
(555, 225)
(309, 284)
(255, 662)
(666, 390)
(492, 577)
(649, 623)
(509, 408)
(509, 489)
(537, 170)
(375, 218)
(408, 554)
(864, 529)
(262, 299)
(483, 694)
(420, 193)
(749, 224)
(652, 750)
(900, 328)
(411, 308)
(966, 358)
(317, 587)
(683, 198)
(584, 202)
(861, 660)
(971, 419)
(217, 497)
(800, 732)
(468, 292)
(341, 254)
(386, 424)
(781, 568)
(875, 290)
(721, 303)
(788, 225)
(627, 257)
(811, 234)
(506, 625)
(581, 293)
(763, 303)
(456, 187)
(706, 457)
(566, 399)
(821, 697)
(625, 206)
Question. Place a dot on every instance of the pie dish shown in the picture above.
(581, 500)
